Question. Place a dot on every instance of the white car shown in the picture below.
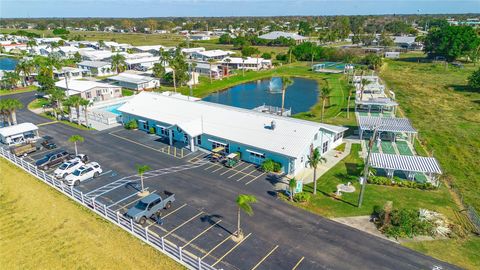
(67, 168)
(83, 173)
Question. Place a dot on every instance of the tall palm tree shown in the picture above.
(10, 79)
(85, 103)
(324, 96)
(292, 184)
(141, 169)
(243, 65)
(210, 62)
(363, 83)
(31, 43)
(313, 160)
(4, 112)
(74, 139)
(118, 62)
(24, 69)
(286, 82)
(56, 97)
(73, 102)
(228, 60)
(8, 108)
(193, 66)
(350, 90)
(244, 202)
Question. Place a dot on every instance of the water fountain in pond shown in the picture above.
(275, 85)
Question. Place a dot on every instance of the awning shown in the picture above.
(389, 124)
(377, 101)
(221, 143)
(405, 163)
(256, 153)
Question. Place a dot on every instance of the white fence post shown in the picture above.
(131, 225)
(163, 243)
(199, 263)
(105, 210)
(44, 176)
(118, 217)
(146, 233)
(180, 254)
(81, 197)
(93, 203)
(71, 190)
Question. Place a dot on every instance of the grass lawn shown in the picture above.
(348, 170)
(461, 252)
(38, 103)
(127, 92)
(5, 92)
(65, 122)
(43, 229)
(428, 93)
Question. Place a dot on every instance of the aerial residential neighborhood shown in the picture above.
(226, 135)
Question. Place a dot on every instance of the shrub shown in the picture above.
(385, 181)
(405, 223)
(270, 165)
(132, 124)
(277, 167)
(151, 130)
(301, 197)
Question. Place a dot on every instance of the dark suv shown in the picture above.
(52, 159)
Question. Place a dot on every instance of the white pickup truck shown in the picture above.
(85, 172)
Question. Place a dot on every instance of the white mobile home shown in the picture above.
(18, 134)
(134, 81)
(96, 68)
(90, 90)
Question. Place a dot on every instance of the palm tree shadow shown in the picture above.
(213, 219)
(326, 194)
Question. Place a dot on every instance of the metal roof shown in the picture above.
(17, 129)
(277, 34)
(405, 163)
(132, 78)
(95, 64)
(377, 101)
(290, 137)
(389, 124)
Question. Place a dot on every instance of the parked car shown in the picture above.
(81, 157)
(85, 172)
(149, 206)
(24, 149)
(67, 168)
(52, 159)
(47, 142)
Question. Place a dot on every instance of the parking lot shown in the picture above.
(204, 215)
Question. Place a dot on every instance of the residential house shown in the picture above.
(93, 91)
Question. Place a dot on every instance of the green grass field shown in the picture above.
(6, 92)
(42, 229)
(446, 113)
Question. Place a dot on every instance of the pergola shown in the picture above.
(408, 164)
(386, 124)
(382, 103)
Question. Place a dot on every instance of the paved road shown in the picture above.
(325, 244)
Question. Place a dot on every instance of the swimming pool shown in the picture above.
(113, 109)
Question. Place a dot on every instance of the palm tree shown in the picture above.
(101, 44)
(292, 184)
(10, 79)
(118, 62)
(8, 108)
(210, 62)
(193, 66)
(56, 97)
(85, 103)
(350, 90)
(244, 202)
(31, 43)
(74, 139)
(324, 96)
(286, 81)
(228, 60)
(25, 69)
(364, 83)
(243, 65)
(73, 102)
(141, 169)
(313, 160)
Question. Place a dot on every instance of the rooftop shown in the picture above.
(389, 124)
(131, 78)
(277, 34)
(17, 129)
(82, 86)
(95, 64)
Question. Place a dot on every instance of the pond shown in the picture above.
(7, 63)
(300, 96)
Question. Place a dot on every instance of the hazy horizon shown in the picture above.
(227, 8)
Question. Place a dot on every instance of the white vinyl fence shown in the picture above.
(173, 251)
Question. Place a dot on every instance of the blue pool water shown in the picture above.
(300, 96)
(113, 109)
(7, 63)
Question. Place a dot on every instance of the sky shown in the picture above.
(207, 8)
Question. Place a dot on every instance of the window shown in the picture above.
(338, 136)
(316, 137)
(325, 147)
(88, 95)
(215, 145)
(199, 140)
(256, 157)
(99, 92)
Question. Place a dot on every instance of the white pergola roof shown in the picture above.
(17, 129)
(388, 124)
(377, 101)
(405, 163)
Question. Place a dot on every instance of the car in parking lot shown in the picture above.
(67, 168)
(149, 206)
(52, 159)
(47, 142)
(80, 157)
(85, 172)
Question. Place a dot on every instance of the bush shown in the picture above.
(151, 130)
(385, 181)
(267, 55)
(270, 165)
(132, 124)
(301, 197)
(405, 223)
(474, 80)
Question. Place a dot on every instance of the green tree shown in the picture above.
(25, 69)
(314, 159)
(85, 103)
(8, 109)
(211, 61)
(141, 169)
(474, 80)
(74, 139)
(10, 79)
(244, 202)
(373, 61)
(363, 82)
(158, 70)
(325, 93)
(292, 184)
(304, 28)
(249, 51)
(451, 42)
(286, 82)
(118, 62)
(56, 96)
(73, 102)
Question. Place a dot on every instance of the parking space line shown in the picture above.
(102, 174)
(132, 141)
(247, 174)
(240, 171)
(219, 244)
(219, 168)
(210, 166)
(202, 233)
(254, 179)
(181, 225)
(298, 263)
(264, 258)
(47, 123)
(234, 247)
(168, 214)
(126, 198)
(228, 170)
